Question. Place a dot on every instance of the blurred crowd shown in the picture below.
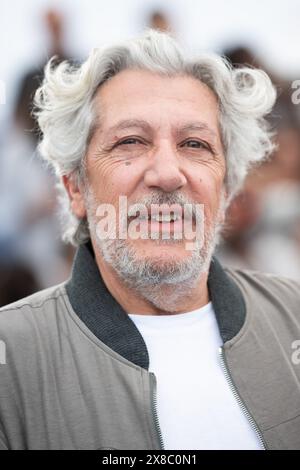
(263, 223)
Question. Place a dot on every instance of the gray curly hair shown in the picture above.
(66, 116)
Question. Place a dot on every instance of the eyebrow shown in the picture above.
(142, 124)
(130, 123)
(198, 126)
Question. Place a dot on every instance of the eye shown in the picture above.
(195, 144)
(129, 141)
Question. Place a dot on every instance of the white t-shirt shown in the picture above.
(196, 408)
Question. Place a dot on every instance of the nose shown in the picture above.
(164, 171)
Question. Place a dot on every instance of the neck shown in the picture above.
(169, 299)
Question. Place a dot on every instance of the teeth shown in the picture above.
(161, 217)
(164, 218)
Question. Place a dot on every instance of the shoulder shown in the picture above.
(20, 317)
(266, 284)
(269, 295)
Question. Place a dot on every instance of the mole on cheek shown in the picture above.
(127, 163)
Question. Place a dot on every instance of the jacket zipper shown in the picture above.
(154, 409)
(240, 401)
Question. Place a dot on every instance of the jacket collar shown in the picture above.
(107, 320)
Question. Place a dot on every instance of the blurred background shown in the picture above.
(263, 228)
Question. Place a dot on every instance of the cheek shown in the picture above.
(208, 190)
(111, 181)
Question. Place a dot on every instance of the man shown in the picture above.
(151, 344)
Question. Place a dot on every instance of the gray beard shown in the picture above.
(160, 283)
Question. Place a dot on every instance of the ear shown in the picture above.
(76, 196)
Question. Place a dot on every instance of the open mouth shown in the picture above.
(162, 220)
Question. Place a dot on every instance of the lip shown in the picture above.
(149, 226)
(152, 226)
(163, 210)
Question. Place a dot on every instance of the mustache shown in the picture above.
(187, 206)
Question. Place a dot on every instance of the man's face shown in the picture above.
(158, 140)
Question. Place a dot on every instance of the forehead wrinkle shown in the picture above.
(141, 123)
(129, 124)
